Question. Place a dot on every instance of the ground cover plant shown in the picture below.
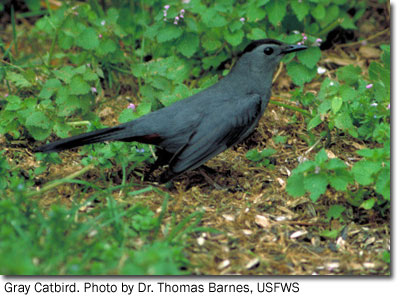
(307, 193)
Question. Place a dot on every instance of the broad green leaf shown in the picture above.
(383, 183)
(310, 57)
(364, 170)
(340, 180)
(316, 184)
(188, 44)
(38, 125)
(234, 38)
(209, 43)
(348, 93)
(295, 185)
(212, 19)
(256, 33)
(276, 10)
(169, 32)
(335, 164)
(349, 74)
(79, 86)
(300, 9)
(14, 103)
(332, 234)
(321, 157)
(253, 155)
(318, 12)
(88, 39)
(336, 104)
(300, 73)
(126, 115)
(314, 122)
(18, 79)
(255, 13)
(50, 87)
(368, 204)
(335, 212)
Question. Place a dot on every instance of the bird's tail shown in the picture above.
(101, 135)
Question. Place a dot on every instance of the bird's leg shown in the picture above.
(163, 157)
(208, 179)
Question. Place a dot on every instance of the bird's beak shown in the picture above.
(293, 48)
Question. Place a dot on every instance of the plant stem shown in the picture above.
(304, 112)
(53, 184)
(78, 123)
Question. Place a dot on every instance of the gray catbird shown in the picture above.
(193, 130)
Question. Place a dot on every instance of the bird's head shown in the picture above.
(257, 63)
(265, 54)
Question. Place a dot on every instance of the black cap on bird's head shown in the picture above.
(275, 44)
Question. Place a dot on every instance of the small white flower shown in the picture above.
(321, 70)
(103, 22)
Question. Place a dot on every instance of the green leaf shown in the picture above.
(256, 33)
(295, 185)
(79, 86)
(169, 32)
(276, 10)
(348, 93)
(88, 39)
(14, 103)
(300, 73)
(38, 125)
(49, 88)
(321, 157)
(364, 170)
(335, 164)
(234, 38)
(335, 212)
(255, 13)
(336, 104)
(210, 44)
(368, 204)
(300, 9)
(383, 183)
(188, 44)
(18, 79)
(126, 115)
(314, 122)
(253, 155)
(332, 234)
(316, 184)
(310, 57)
(340, 180)
(318, 12)
(305, 167)
(343, 121)
(212, 19)
(349, 74)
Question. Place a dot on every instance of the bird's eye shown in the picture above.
(268, 51)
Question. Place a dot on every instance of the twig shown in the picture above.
(58, 182)
(361, 41)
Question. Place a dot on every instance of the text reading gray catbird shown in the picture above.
(193, 130)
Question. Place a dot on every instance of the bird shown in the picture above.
(193, 130)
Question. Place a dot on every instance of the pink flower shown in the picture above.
(369, 86)
(167, 7)
(242, 20)
(100, 35)
(93, 89)
(131, 106)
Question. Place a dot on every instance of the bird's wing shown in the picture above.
(226, 125)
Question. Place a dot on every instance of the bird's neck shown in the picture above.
(247, 80)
